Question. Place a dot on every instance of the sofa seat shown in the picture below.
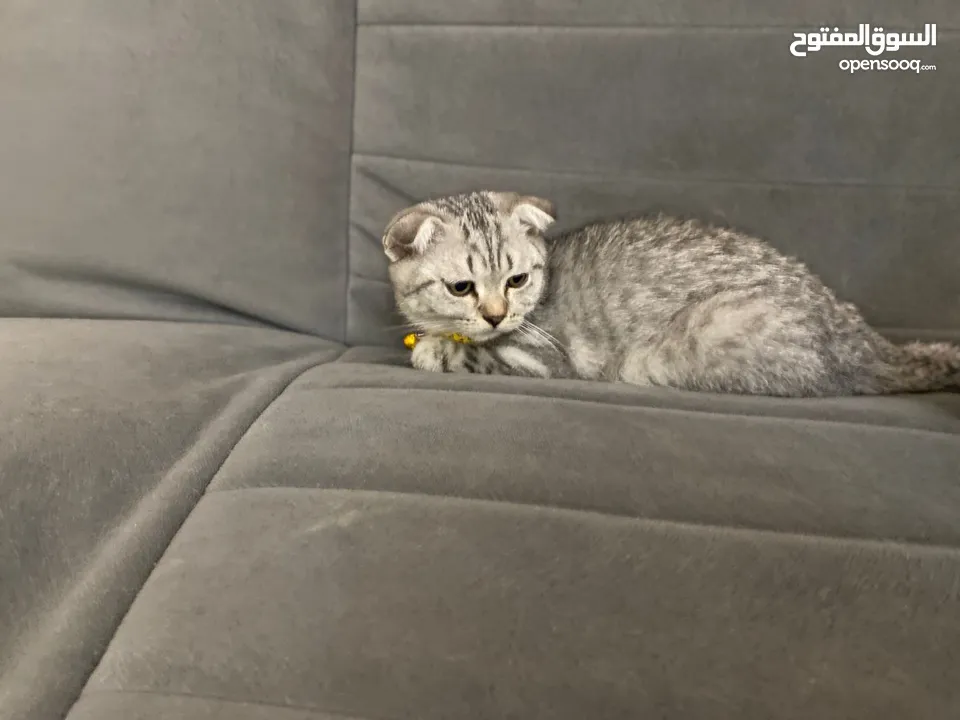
(383, 544)
(109, 433)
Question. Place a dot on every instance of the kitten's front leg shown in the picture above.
(439, 354)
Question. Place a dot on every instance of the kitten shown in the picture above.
(656, 301)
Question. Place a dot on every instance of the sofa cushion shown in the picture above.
(385, 543)
(109, 433)
(176, 160)
(629, 13)
(879, 468)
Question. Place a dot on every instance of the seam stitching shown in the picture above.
(654, 408)
(246, 431)
(626, 174)
(528, 26)
(350, 146)
(411, 495)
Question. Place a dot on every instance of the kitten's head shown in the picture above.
(473, 264)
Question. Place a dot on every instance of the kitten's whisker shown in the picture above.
(527, 335)
(541, 334)
(556, 343)
(427, 326)
(537, 338)
(529, 332)
(552, 341)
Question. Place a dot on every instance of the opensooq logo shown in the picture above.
(876, 42)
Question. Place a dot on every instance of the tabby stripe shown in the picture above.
(419, 288)
(489, 241)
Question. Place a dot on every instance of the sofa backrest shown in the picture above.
(183, 160)
(237, 161)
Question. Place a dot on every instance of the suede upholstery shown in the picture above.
(225, 495)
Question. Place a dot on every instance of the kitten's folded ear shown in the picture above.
(535, 212)
(409, 232)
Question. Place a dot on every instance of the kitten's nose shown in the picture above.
(494, 320)
(493, 309)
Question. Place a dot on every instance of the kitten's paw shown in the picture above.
(434, 354)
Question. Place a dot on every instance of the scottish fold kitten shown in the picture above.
(655, 301)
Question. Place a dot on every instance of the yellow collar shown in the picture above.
(411, 340)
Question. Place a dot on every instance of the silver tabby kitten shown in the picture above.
(655, 301)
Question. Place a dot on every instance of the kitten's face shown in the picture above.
(471, 264)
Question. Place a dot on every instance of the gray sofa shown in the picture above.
(223, 493)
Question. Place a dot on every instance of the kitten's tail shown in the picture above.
(921, 367)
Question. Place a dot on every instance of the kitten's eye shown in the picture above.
(464, 287)
(517, 281)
